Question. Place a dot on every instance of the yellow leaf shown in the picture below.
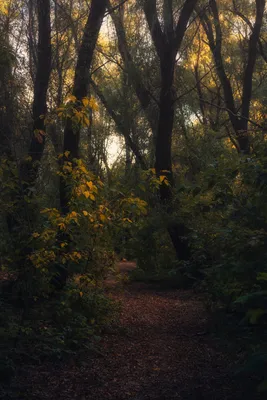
(85, 213)
(93, 104)
(4, 7)
(161, 178)
(61, 226)
(35, 235)
(66, 154)
(85, 101)
(86, 193)
(75, 256)
(90, 185)
(71, 99)
(102, 217)
(66, 168)
(127, 220)
(92, 197)
(81, 294)
(78, 114)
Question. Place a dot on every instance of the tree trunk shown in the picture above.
(163, 165)
(80, 88)
(29, 167)
(167, 44)
(72, 135)
(6, 102)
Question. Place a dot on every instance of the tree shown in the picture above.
(212, 27)
(81, 86)
(167, 41)
(29, 168)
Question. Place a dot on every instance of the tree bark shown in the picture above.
(29, 168)
(167, 44)
(21, 216)
(72, 135)
(81, 86)
(6, 101)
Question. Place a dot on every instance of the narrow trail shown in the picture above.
(161, 352)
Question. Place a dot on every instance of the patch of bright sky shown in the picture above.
(114, 144)
(114, 149)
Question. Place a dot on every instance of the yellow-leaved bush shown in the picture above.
(81, 240)
(78, 111)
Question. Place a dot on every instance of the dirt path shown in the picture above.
(162, 352)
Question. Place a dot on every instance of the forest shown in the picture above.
(133, 216)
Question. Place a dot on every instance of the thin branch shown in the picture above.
(261, 127)
(194, 87)
(112, 9)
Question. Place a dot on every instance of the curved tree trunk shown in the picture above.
(81, 86)
(80, 90)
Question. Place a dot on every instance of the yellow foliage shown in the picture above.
(102, 217)
(62, 226)
(127, 220)
(70, 99)
(67, 168)
(85, 101)
(4, 7)
(93, 104)
(72, 216)
(90, 185)
(35, 235)
(92, 197)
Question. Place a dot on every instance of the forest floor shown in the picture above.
(161, 351)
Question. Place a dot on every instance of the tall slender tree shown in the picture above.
(167, 41)
(239, 119)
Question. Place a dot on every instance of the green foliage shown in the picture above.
(39, 321)
(225, 210)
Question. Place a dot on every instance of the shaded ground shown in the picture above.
(162, 352)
